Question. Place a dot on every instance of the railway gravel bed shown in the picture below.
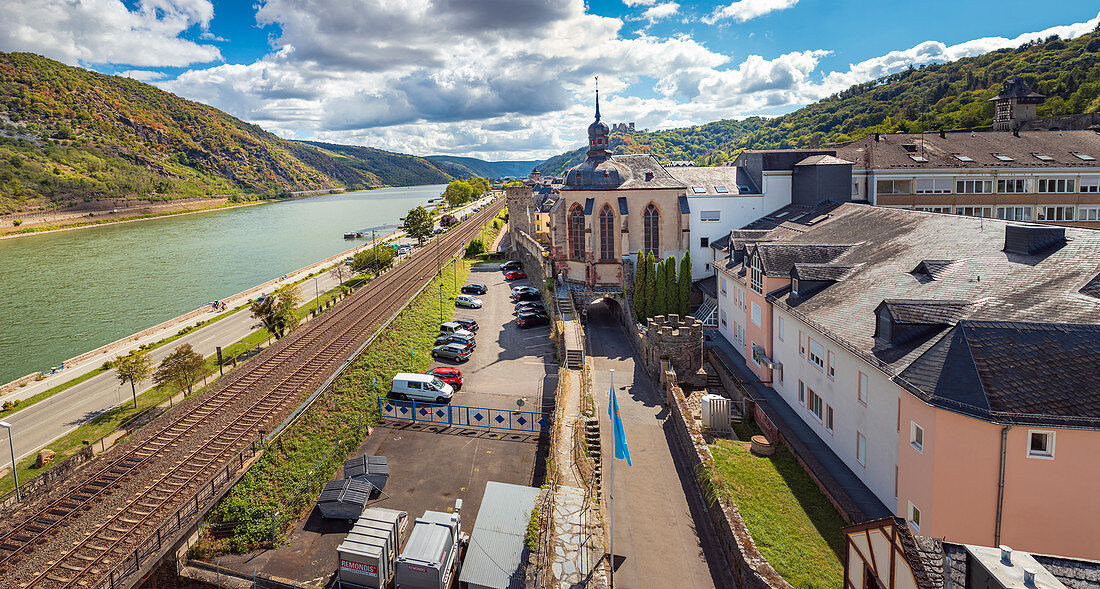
(93, 522)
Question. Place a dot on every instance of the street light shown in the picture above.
(11, 446)
(316, 294)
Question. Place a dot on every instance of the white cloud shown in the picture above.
(107, 32)
(743, 10)
(661, 11)
(143, 75)
(633, 3)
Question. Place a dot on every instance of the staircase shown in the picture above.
(574, 339)
(707, 313)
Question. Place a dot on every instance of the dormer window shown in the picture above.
(756, 274)
(794, 286)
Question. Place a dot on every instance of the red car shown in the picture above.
(515, 275)
(451, 376)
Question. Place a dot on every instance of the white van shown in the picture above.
(420, 387)
(454, 328)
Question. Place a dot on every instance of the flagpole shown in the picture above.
(611, 495)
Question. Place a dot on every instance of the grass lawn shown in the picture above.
(793, 524)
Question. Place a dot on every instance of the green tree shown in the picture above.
(134, 368)
(641, 296)
(660, 296)
(650, 285)
(183, 367)
(418, 224)
(685, 285)
(476, 247)
(276, 310)
(480, 186)
(458, 193)
(672, 292)
(375, 259)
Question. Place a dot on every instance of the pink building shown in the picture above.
(949, 362)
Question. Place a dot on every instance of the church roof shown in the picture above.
(620, 172)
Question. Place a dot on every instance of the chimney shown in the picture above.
(1029, 577)
(1016, 132)
(876, 137)
(942, 134)
(1006, 555)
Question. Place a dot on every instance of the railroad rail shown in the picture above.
(106, 522)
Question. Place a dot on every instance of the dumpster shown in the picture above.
(430, 557)
(369, 552)
(373, 469)
(344, 499)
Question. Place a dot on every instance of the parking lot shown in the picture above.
(432, 465)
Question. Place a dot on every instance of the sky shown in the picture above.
(513, 79)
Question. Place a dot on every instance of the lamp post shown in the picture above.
(11, 446)
(316, 294)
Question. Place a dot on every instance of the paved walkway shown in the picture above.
(843, 484)
(662, 535)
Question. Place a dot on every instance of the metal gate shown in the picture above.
(462, 416)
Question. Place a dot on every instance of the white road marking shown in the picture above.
(535, 337)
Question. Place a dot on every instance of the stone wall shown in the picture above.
(531, 254)
(521, 213)
(679, 340)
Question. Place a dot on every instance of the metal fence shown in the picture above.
(462, 416)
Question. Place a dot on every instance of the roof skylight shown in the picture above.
(699, 189)
(964, 158)
(920, 159)
(1003, 157)
(1043, 157)
(1083, 156)
(721, 190)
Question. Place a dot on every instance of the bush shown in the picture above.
(17, 222)
(476, 247)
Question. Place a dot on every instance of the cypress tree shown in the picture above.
(641, 294)
(650, 286)
(672, 292)
(660, 298)
(685, 285)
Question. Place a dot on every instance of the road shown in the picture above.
(48, 420)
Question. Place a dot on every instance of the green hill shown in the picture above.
(949, 96)
(69, 135)
(468, 166)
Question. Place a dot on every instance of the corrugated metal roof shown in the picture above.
(495, 555)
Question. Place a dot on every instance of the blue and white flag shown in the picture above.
(621, 451)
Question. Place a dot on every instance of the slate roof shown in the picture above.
(723, 243)
(890, 151)
(707, 177)
(625, 172)
(823, 160)
(931, 269)
(1014, 87)
(816, 272)
(984, 284)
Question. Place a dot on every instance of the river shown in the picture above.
(64, 293)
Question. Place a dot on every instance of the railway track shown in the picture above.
(118, 502)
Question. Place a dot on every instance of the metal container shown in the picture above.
(373, 469)
(365, 561)
(344, 499)
(399, 519)
(430, 557)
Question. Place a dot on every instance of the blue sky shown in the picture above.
(512, 79)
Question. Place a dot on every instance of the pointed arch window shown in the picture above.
(651, 232)
(607, 234)
(576, 232)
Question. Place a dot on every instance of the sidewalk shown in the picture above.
(855, 499)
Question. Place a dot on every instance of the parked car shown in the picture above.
(533, 320)
(527, 306)
(515, 275)
(447, 374)
(524, 288)
(475, 288)
(420, 387)
(510, 265)
(454, 352)
(467, 301)
(467, 324)
(454, 327)
(526, 296)
(456, 339)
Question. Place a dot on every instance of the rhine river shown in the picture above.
(64, 293)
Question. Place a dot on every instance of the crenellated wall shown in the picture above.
(679, 340)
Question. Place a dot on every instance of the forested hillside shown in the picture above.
(947, 96)
(394, 169)
(465, 167)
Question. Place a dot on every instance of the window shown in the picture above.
(920, 159)
(651, 229)
(964, 158)
(699, 189)
(756, 314)
(814, 404)
(576, 233)
(1040, 444)
(1043, 157)
(832, 369)
(1088, 214)
(704, 241)
(932, 186)
(941, 209)
(1014, 213)
(1058, 185)
(974, 186)
(855, 188)
(780, 334)
(1083, 156)
(914, 516)
(916, 436)
(710, 215)
(607, 234)
(861, 449)
(986, 212)
(801, 344)
(1090, 184)
(1060, 213)
(721, 190)
(794, 286)
(816, 353)
(1011, 186)
(893, 187)
(829, 418)
(756, 274)
(1003, 157)
(801, 393)
(724, 318)
(722, 281)
(861, 391)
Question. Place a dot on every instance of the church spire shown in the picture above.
(597, 98)
(598, 133)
